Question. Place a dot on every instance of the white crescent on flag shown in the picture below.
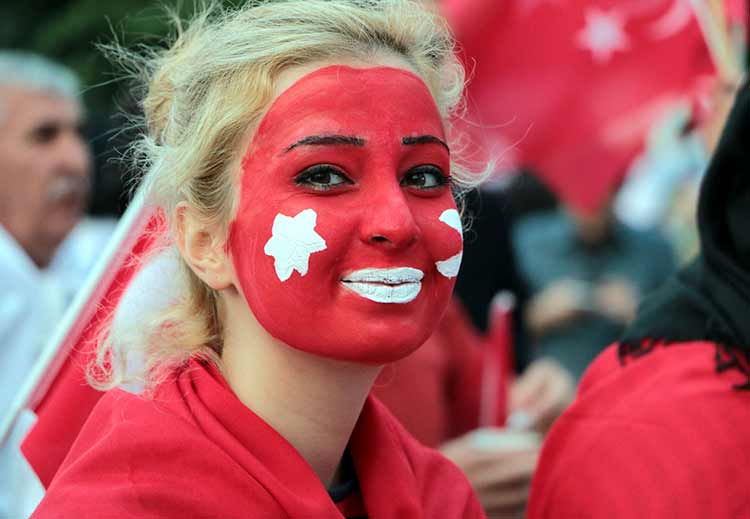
(673, 21)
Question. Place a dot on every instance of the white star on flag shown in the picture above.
(603, 35)
(292, 241)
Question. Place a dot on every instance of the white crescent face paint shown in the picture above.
(394, 285)
(450, 267)
(451, 218)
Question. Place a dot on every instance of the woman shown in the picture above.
(661, 424)
(299, 151)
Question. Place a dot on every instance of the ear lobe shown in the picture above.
(202, 247)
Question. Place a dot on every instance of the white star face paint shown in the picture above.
(395, 285)
(450, 267)
(293, 240)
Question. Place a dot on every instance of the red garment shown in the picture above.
(196, 451)
(435, 391)
(663, 436)
(63, 398)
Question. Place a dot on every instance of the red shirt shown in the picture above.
(664, 436)
(194, 450)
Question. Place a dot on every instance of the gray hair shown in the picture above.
(34, 72)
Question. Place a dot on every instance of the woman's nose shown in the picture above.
(389, 223)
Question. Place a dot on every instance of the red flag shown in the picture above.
(737, 12)
(57, 390)
(498, 362)
(570, 88)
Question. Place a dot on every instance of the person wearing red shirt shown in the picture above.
(661, 424)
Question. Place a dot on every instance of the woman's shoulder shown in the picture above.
(659, 373)
(128, 410)
(668, 386)
(147, 457)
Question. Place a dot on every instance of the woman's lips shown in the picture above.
(391, 285)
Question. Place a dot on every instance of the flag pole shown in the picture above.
(73, 322)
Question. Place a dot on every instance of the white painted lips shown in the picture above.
(395, 285)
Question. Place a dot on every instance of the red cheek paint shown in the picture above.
(339, 237)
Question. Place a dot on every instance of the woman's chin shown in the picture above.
(374, 347)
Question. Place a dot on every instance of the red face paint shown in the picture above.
(342, 244)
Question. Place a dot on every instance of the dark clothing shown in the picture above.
(549, 250)
(346, 495)
(489, 263)
(710, 299)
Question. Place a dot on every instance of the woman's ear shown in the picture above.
(202, 247)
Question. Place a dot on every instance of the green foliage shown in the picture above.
(69, 30)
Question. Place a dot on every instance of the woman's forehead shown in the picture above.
(291, 75)
(374, 100)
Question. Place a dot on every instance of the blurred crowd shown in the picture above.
(577, 253)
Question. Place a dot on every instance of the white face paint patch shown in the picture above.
(451, 218)
(449, 267)
(292, 241)
(396, 285)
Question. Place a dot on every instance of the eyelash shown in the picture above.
(441, 179)
(307, 177)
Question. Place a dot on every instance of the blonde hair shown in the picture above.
(213, 83)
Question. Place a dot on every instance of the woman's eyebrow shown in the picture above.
(424, 139)
(323, 140)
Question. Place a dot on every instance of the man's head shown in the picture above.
(44, 162)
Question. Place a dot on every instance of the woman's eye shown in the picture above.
(425, 177)
(322, 177)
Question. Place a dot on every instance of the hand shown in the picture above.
(499, 471)
(542, 392)
(617, 299)
(559, 303)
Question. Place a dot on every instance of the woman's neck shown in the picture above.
(313, 402)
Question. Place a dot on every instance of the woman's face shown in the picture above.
(347, 240)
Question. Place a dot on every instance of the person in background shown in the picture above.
(489, 265)
(586, 272)
(44, 184)
(662, 186)
(661, 424)
(44, 187)
(436, 394)
(436, 391)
